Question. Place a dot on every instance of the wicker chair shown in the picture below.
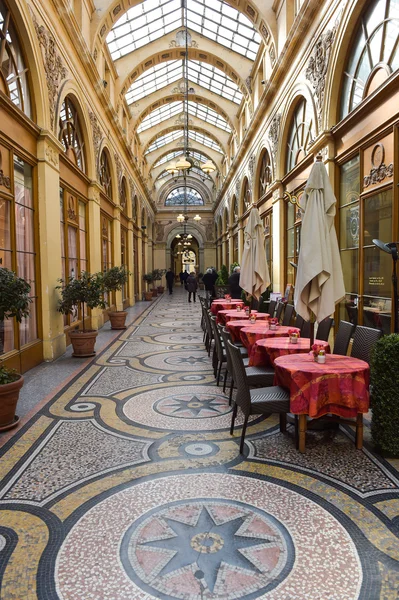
(220, 351)
(289, 311)
(279, 310)
(209, 331)
(363, 342)
(343, 337)
(257, 376)
(299, 321)
(272, 307)
(261, 401)
(323, 330)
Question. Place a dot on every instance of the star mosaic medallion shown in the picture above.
(195, 406)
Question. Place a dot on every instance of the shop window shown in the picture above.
(105, 174)
(124, 258)
(265, 175)
(374, 54)
(13, 70)
(293, 239)
(300, 135)
(71, 133)
(73, 240)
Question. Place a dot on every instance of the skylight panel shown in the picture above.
(180, 196)
(205, 140)
(154, 79)
(168, 157)
(160, 114)
(164, 139)
(207, 114)
(213, 79)
(198, 156)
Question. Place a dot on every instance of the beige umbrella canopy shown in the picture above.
(254, 274)
(319, 282)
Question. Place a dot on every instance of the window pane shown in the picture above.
(349, 226)
(350, 266)
(378, 217)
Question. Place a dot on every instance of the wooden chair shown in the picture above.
(260, 401)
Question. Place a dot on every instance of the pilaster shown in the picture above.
(94, 227)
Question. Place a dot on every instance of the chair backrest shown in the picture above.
(279, 310)
(352, 314)
(243, 397)
(272, 307)
(343, 337)
(225, 335)
(208, 325)
(363, 342)
(289, 311)
(299, 321)
(323, 330)
(218, 341)
(263, 305)
(305, 329)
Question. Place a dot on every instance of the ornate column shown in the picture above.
(94, 229)
(48, 169)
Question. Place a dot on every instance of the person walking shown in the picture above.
(184, 279)
(192, 286)
(209, 282)
(170, 279)
(181, 277)
(234, 283)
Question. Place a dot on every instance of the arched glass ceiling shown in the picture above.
(201, 111)
(192, 171)
(204, 139)
(167, 157)
(162, 140)
(153, 19)
(178, 197)
(198, 156)
(201, 73)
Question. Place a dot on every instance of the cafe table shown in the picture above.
(235, 327)
(339, 387)
(264, 352)
(252, 333)
(223, 304)
(230, 315)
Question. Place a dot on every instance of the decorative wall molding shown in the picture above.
(238, 187)
(272, 54)
(274, 134)
(248, 83)
(53, 65)
(51, 155)
(379, 170)
(180, 40)
(119, 173)
(317, 68)
(97, 138)
(251, 166)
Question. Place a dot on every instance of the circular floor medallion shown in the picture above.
(82, 406)
(193, 406)
(208, 536)
(3, 542)
(198, 449)
(184, 360)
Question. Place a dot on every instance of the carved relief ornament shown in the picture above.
(379, 170)
(97, 137)
(53, 65)
(317, 67)
(251, 166)
(274, 133)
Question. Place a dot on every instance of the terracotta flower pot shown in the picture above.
(154, 292)
(148, 295)
(117, 319)
(9, 394)
(160, 289)
(83, 342)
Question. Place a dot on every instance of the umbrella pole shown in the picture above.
(312, 322)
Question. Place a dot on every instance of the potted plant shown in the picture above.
(113, 280)
(85, 290)
(384, 394)
(14, 302)
(221, 284)
(158, 274)
(148, 278)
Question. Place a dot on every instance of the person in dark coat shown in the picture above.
(234, 283)
(209, 282)
(170, 279)
(184, 278)
(181, 277)
(192, 286)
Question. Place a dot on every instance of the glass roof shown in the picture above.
(153, 19)
(162, 140)
(177, 197)
(167, 157)
(204, 139)
(193, 170)
(201, 73)
(201, 111)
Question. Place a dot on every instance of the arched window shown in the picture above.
(71, 133)
(300, 135)
(13, 70)
(374, 54)
(105, 174)
(265, 174)
(181, 196)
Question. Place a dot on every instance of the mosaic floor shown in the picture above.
(128, 486)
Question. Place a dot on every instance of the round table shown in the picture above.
(231, 315)
(340, 386)
(251, 334)
(223, 304)
(264, 352)
(235, 327)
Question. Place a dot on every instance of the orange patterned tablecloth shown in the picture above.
(231, 315)
(222, 304)
(251, 334)
(264, 352)
(340, 386)
(235, 327)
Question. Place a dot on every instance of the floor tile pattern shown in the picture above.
(128, 486)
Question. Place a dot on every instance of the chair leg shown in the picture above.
(231, 390)
(359, 431)
(283, 422)
(233, 418)
(244, 429)
(302, 433)
(219, 372)
(215, 362)
(224, 381)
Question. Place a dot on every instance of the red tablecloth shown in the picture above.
(229, 315)
(264, 352)
(222, 304)
(235, 327)
(340, 386)
(251, 334)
